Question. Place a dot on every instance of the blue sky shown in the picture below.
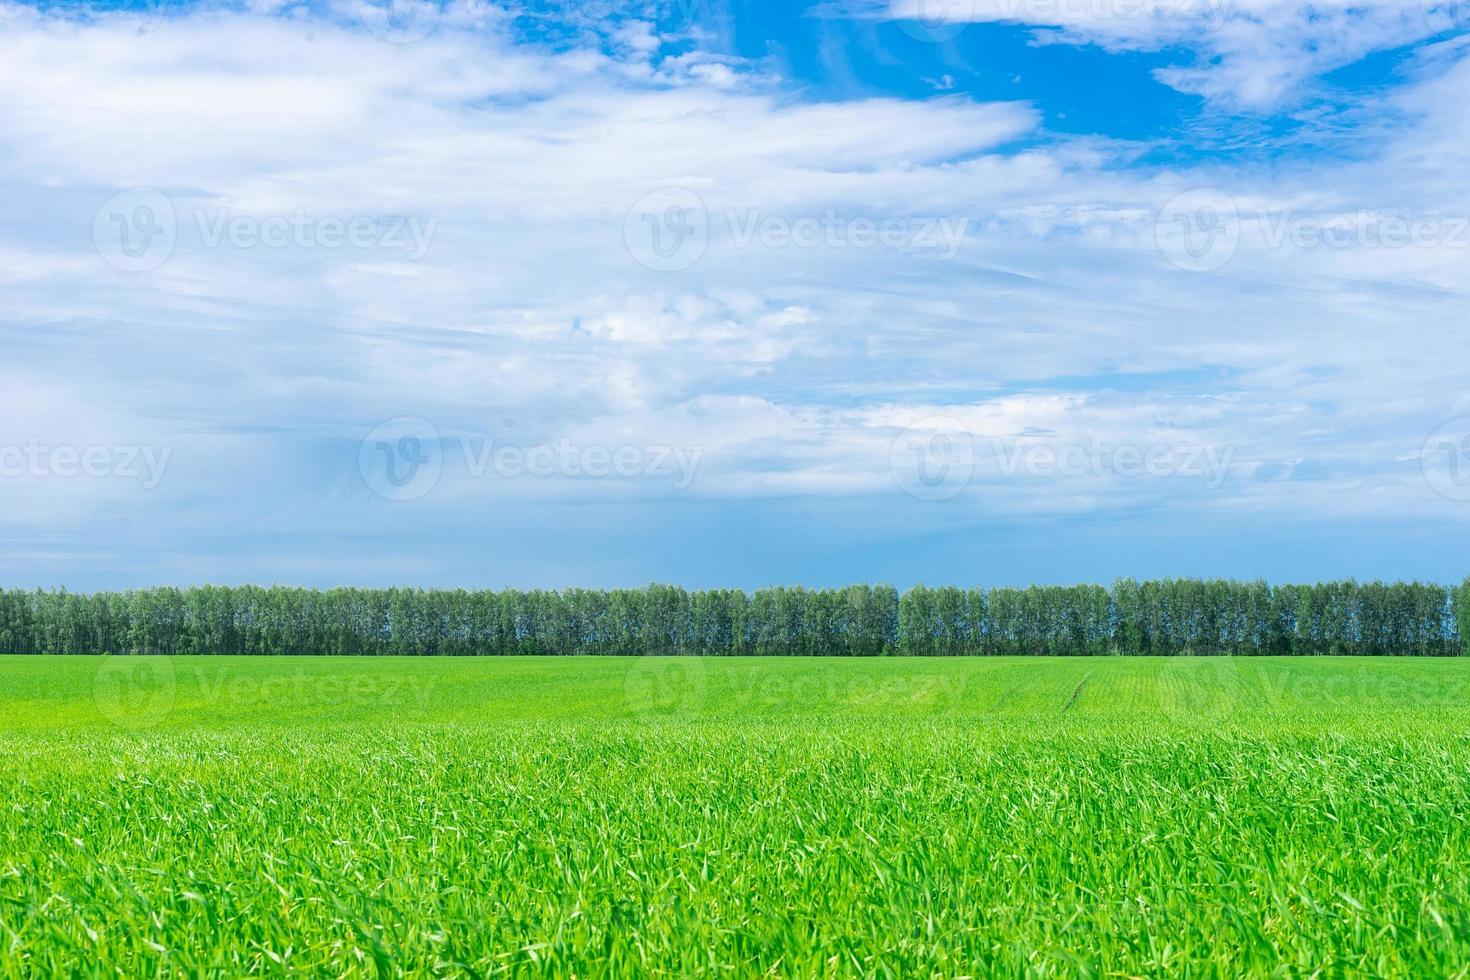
(732, 293)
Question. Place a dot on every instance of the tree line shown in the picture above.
(1166, 617)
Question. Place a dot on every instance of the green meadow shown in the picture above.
(896, 817)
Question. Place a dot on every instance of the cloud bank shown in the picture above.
(247, 240)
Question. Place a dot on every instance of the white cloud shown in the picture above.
(1246, 54)
(791, 367)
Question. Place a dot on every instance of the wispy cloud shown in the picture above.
(1243, 54)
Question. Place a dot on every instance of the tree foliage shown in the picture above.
(1165, 617)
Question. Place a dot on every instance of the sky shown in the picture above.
(733, 292)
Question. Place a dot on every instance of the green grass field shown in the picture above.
(897, 817)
